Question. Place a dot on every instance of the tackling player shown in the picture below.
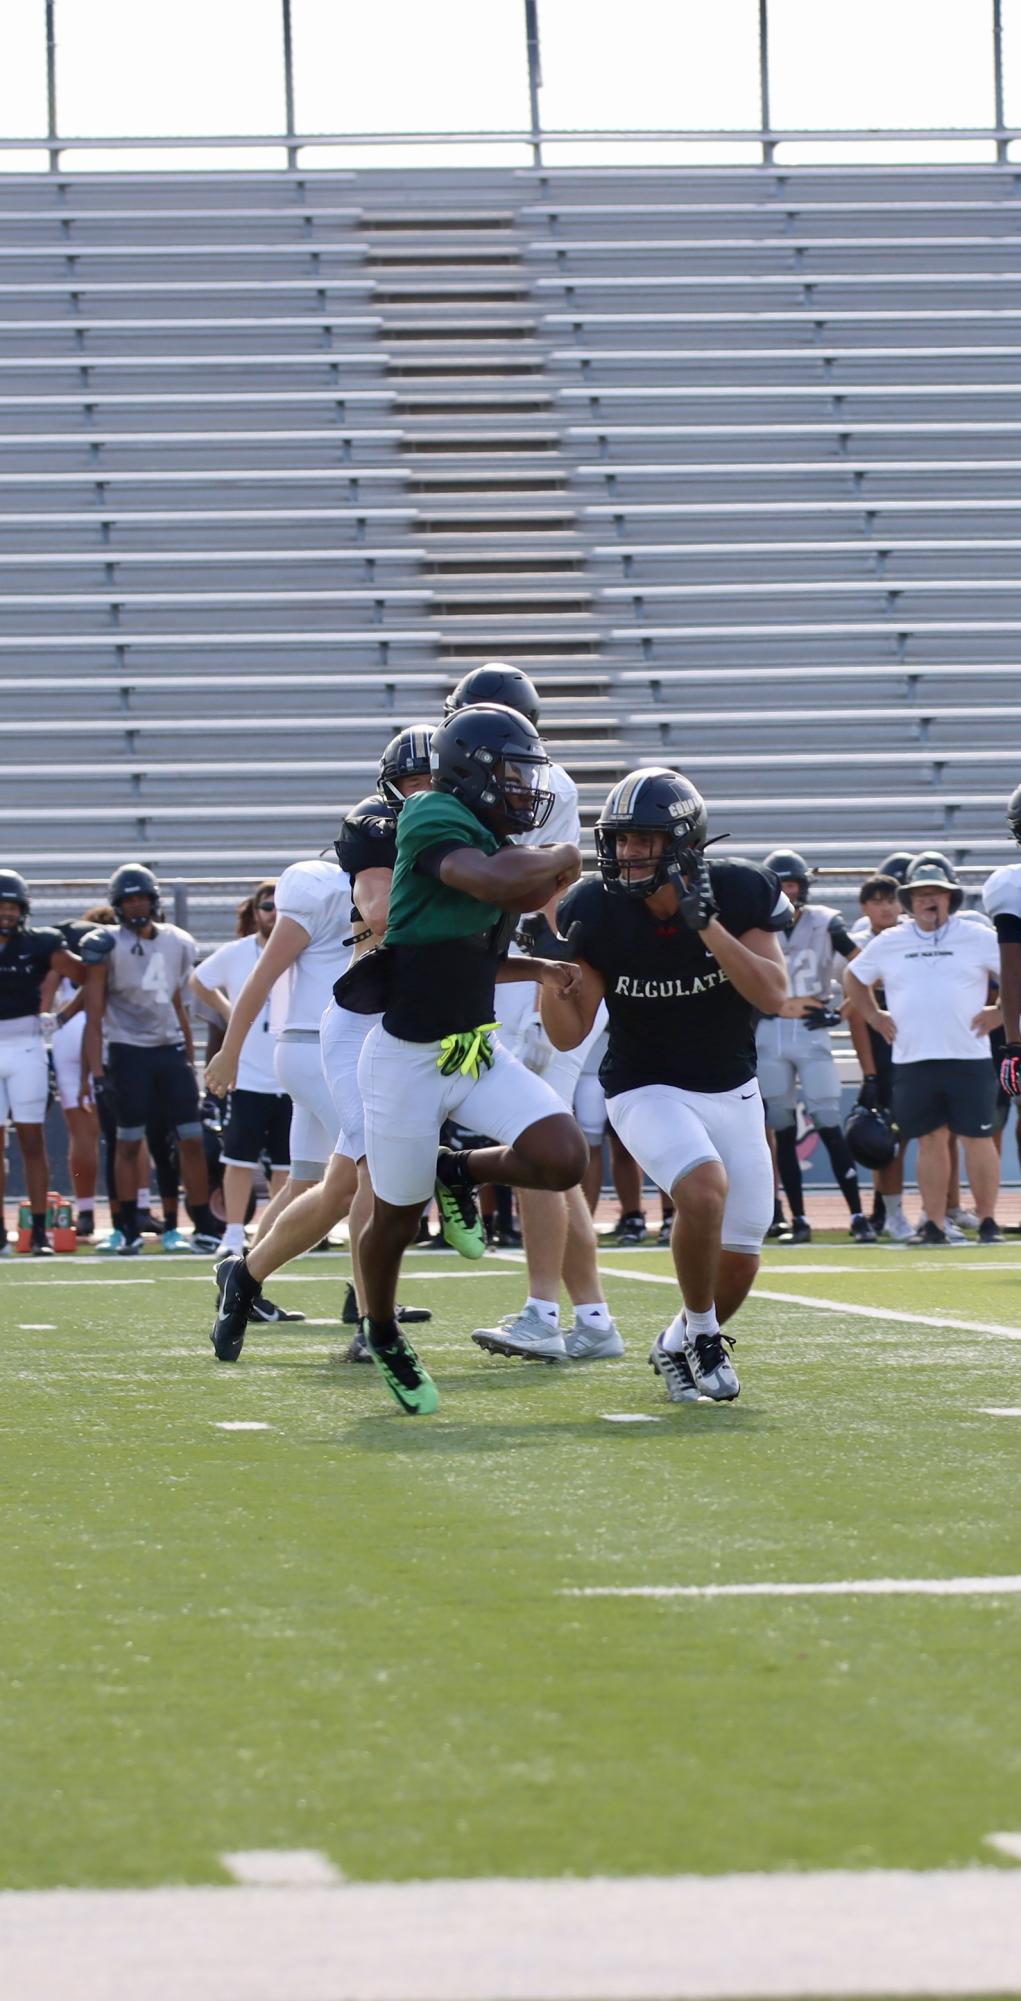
(684, 952)
(27, 957)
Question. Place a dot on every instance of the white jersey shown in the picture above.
(1001, 896)
(316, 894)
(814, 964)
(518, 1004)
(143, 975)
(935, 982)
(228, 968)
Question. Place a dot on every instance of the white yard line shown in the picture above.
(998, 1410)
(1006, 1844)
(844, 1587)
(282, 1868)
(240, 1424)
(759, 1937)
(810, 1299)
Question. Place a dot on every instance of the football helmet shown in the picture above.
(406, 756)
(1014, 814)
(496, 682)
(791, 867)
(13, 889)
(931, 871)
(872, 1138)
(652, 800)
(374, 819)
(492, 759)
(896, 864)
(134, 879)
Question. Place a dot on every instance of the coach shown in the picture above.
(935, 969)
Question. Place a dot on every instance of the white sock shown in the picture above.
(143, 1200)
(547, 1309)
(687, 1326)
(234, 1237)
(596, 1315)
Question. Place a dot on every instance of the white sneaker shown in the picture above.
(593, 1344)
(525, 1334)
(953, 1233)
(674, 1372)
(963, 1219)
(897, 1227)
(701, 1369)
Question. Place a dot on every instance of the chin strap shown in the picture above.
(470, 1052)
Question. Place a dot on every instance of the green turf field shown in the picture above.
(353, 1632)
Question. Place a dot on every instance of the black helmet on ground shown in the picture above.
(492, 759)
(406, 756)
(134, 879)
(896, 864)
(791, 867)
(872, 1138)
(13, 889)
(652, 800)
(931, 871)
(497, 682)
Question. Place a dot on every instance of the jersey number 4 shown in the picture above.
(154, 979)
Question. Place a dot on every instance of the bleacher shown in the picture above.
(726, 457)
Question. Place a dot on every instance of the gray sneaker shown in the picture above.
(673, 1368)
(525, 1334)
(701, 1369)
(593, 1344)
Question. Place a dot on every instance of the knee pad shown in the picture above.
(824, 1116)
(192, 1129)
(130, 1133)
(780, 1117)
(307, 1170)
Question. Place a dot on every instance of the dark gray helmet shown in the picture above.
(496, 682)
(134, 879)
(492, 759)
(14, 889)
(653, 800)
(791, 867)
(406, 756)
(896, 864)
(871, 1136)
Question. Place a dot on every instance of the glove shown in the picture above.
(697, 904)
(470, 1052)
(868, 1097)
(1010, 1069)
(821, 1016)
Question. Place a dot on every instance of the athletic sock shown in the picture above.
(686, 1326)
(169, 1215)
(597, 1315)
(843, 1166)
(878, 1210)
(204, 1220)
(547, 1309)
(790, 1169)
(234, 1237)
(129, 1220)
(381, 1333)
(38, 1226)
(143, 1200)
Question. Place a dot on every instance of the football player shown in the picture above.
(558, 1233)
(457, 887)
(28, 955)
(684, 952)
(794, 1047)
(366, 850)
(137, 1052)
(1001, 900)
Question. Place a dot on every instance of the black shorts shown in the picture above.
(153, 1087)
(882, 1064)
(947, 1091)
(258, 1124)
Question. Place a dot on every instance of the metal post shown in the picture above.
(51, 85)
(534, 77)
(767, 144)
(1001, 144)
(292, 151)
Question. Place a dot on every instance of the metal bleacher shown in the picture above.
(728, 458)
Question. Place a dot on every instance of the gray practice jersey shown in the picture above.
(814, 959)
(143, 976)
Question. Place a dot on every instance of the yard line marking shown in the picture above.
(1000, 1410)
(36, 1327)
(1008, 1844)
(629, 1417)
(289, 1868)
(241, 1424)
(861, 1587)
(833, 1933)
(109, 1280)
(842, 1306)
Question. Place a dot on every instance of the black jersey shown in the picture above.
(367, 839)
(675, 1018)
(25, 960)
(74, 929)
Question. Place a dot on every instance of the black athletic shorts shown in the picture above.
(258, 1124)
(948, 1091)
(152, 1087)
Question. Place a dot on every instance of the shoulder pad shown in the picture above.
(372, 824)
(97, 945)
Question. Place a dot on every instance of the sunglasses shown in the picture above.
(266, 906)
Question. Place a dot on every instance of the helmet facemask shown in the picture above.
(641, 877)
(12, 916)
(515, 794)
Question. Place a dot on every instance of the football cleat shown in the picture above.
(702, 1368)
(674, 1371)
(204, 1243)
(630, 1229)
(108, 1247)
(861, 1231)
(593, 1344)
(264, 1310)
(132, 1247)
(42, 1248)
(988, 1232)
(457, 1202)
(404, 1315)
(408, 1383)
(800, 1232)
(359, 1350)
(897, 1227)
(525, 1335)
(174, 1242)
(237, 1292)
(931, 1237)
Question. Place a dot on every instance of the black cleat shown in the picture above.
(263, 1309)
(988, 1233)
(931, 1236)
(238, 1293)
(406, 1315)
(779, 1222)
(359, 1350)
(630, 1229)
(861, 1230)
(800, 1232)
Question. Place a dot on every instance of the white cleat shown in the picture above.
(593, 1344)
(525, 1335)
(702, 1368)
(898, 1229)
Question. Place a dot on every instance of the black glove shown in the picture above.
(697, 904)
(1010, 1069)
(818, 1015)
(869, 1096)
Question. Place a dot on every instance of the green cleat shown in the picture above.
(456, 1200)
(407, 1381)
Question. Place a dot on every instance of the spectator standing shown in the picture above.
(880, 911)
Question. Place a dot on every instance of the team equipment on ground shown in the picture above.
(871, 1135)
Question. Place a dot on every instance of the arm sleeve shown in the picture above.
(430, 860)
(842, 940)
(1008, 927)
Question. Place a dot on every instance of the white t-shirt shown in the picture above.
(935, 982)
(518, 1004)
(318, 897)
(228, 968)
(1001, 896)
